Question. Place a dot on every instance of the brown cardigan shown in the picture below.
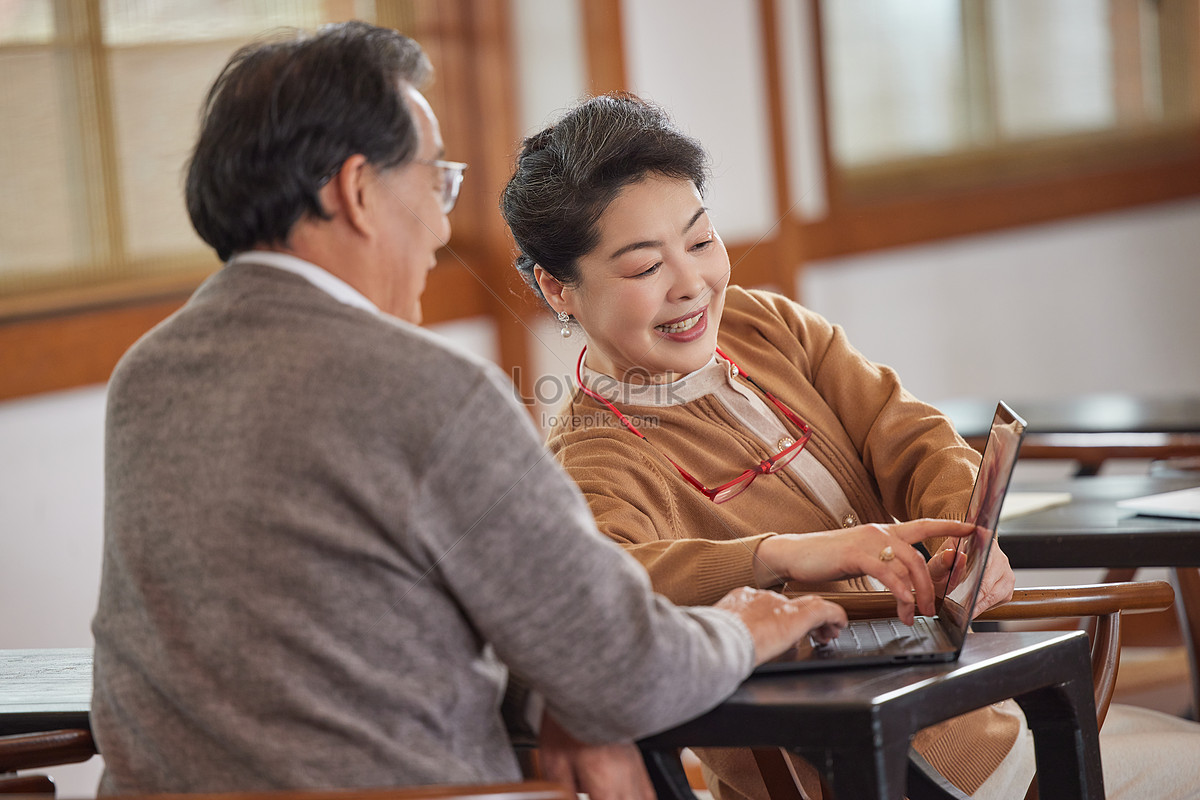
(895, 458)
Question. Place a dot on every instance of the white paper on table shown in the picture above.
(1184, 503)
(1018, 504)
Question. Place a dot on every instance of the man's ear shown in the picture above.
(345, 193)
(558, 295)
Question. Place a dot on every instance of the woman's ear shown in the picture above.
(558, 295)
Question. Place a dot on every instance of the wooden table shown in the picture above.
(856, 722)
(1092, 428)
(43, 690)
(1091, 531)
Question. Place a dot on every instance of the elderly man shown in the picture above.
(329, 535)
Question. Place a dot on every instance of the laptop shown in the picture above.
(1181, 504)
(938, 638)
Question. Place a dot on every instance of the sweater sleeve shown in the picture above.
(922, 467)
(568, 612)
(633, 505)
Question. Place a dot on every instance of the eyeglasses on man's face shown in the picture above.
(451, 176)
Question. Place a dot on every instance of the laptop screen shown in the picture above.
(995, 470)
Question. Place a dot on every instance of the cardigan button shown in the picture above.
(849, 521)
(784, 443)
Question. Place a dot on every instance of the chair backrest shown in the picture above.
(37, 750)
(1181, 627)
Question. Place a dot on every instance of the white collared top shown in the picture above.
(327, 282)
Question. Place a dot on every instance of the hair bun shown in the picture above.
(538, 141)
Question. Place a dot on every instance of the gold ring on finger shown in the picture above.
(887, 553)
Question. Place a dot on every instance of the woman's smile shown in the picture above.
(686, 329)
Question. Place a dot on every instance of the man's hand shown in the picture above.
(885, 552)
(777, 623)
(616, 771)
(605, 772)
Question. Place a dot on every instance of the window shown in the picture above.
(949, 95)
(99, 107)
(98, 111)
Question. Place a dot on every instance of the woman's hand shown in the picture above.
(776, 622)
(885, 552)
(998, 577)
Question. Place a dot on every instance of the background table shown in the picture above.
(1092, 531)
(1090, 429)
(42, 690)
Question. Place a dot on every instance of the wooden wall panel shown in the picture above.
(63, 352)
(605, 45)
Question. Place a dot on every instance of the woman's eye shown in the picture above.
(702, 245)
(649, 271)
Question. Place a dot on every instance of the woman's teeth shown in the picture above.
(680, 327)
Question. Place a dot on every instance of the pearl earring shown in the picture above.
(565, 319)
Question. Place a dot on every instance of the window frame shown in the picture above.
(64, 338)
(1059, 179)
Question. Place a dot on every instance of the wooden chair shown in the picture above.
(1172, 637)
(1166, 432)
(1103, 602)
(529, 790)
(37, 750)
(1177, 630)
(55, 748)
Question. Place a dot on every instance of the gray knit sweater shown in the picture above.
(327, 534)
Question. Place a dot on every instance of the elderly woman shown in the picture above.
(728, 437)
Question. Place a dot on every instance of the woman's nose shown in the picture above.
(689, 282)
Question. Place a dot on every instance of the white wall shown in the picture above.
(51, 501)
(51, 496)
(701, 61)
(1107, 303)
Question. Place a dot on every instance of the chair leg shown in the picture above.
(527, 759)
(667, 775)
(27, 784)
(1106, 660)
(1187, 590)
(777, 774)
(926, 783)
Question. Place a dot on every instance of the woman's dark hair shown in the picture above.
(283, 116)
(568, 174)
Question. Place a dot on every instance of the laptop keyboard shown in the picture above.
(884, 635)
